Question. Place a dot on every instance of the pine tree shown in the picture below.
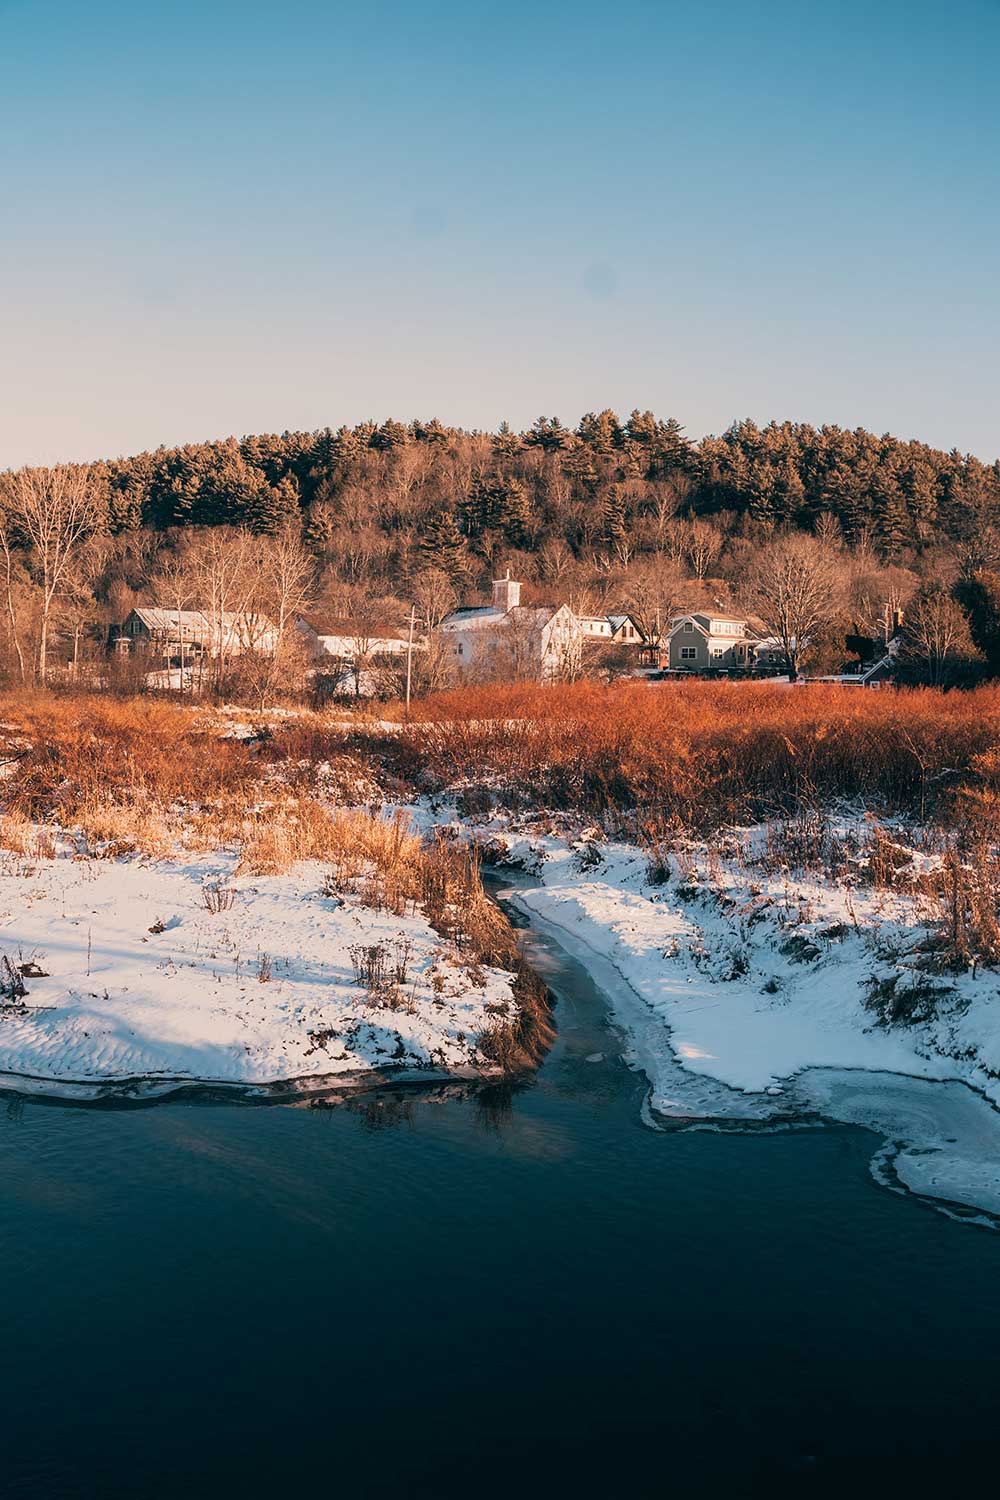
(515, 512)
(601, 431)
(641, 428)
(673, 451)
(548, 433)
(505, 442)
(272, 508)
(789, 493)
(441, 545)
(614, 522)
(390, 435)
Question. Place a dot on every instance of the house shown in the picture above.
(612, 630)
(625, 631)
(354, 657)
(701, 642)
(177, 637)
(349, 640)
(596, 628)
(508, 638)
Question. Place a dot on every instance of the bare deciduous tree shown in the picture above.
(938, 634)
(433, 598)
(285, 586)
(702, 545)
(176, 583)
(793, 586)
(651, 594)
(10, 577)
(54, 510)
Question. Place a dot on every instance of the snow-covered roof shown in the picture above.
(351, 645)
(158, 619)
(461, 619)
(521, 614)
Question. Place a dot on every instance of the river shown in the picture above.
(478, 1295)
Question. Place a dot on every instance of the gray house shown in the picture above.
(703, 643)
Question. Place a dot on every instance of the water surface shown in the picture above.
(459, 1296)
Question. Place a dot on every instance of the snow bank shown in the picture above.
(143, 982)
(742, 997)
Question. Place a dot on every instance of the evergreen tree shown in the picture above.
(614, 520)
(390, 435)
(272, 508)
(601, 431)
(641, 427)
(547, 433)
(441, 546)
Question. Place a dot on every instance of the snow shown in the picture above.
(144, 982)
(742, 994)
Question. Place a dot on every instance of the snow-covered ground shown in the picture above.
(144, 985)
(742, 997)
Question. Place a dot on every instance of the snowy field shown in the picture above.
(160, 973)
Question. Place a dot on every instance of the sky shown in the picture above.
(227, 217)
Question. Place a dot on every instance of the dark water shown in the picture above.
(441, 1298)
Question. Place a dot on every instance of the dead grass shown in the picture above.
(703, 754)
(70, 754)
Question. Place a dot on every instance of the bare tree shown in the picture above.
(793, 586)
(54, 510)
(702, 546)
(176, 582)
(938, 634)
(433, 598)
(879, 597)
(285, 587)
(7, 549)
(226, 575)
(828, 530)
(78, 606)
(652, 590)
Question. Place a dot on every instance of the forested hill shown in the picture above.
(606, 484)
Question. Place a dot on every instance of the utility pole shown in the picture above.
(409, 657)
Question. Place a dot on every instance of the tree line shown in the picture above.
(610, 513)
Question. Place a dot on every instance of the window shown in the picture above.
(459, 649)
(689, 653)
(688, 627)
(718, 651)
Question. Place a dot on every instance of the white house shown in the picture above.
(349, 641)
(507, 637)
(618, 630)
(356, 658)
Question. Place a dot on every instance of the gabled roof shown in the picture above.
(617, 621)
(323, 625)
(487, 614)
(157, 617)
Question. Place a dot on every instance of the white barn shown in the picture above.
(507, 636)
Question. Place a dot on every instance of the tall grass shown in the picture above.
(701, 754)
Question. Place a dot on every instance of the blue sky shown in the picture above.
(226, 218)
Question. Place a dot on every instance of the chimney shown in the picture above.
(506, 593)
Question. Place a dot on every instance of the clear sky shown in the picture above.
(232, 217)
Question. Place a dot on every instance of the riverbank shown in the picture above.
(747, 999)
(146, 975)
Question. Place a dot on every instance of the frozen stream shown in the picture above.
(940, 1140)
